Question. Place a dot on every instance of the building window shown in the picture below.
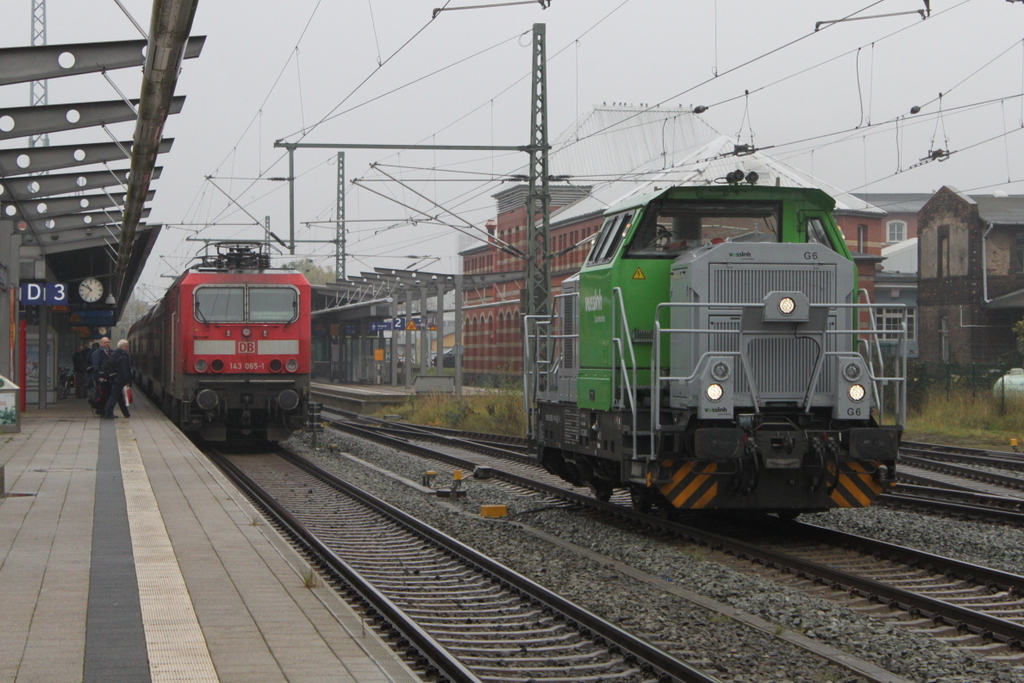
(892, 319)
(1018, 255)
(944, 338)
(896, 231)
(943, 263)
(862, 238)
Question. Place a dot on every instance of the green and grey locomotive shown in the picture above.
(715, 352)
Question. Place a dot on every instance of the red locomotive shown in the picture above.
(226, 353)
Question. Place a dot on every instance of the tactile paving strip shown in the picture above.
(175, 643)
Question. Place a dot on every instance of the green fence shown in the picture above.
(926, 379)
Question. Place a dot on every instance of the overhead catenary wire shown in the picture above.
(493, 179)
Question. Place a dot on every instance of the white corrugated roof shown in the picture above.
(625, 150)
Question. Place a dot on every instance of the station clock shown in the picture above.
(91, 290)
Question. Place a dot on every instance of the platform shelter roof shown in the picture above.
(80, 205)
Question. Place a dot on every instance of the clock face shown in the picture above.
(90, 290)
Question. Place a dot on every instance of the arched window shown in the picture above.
(895, 231)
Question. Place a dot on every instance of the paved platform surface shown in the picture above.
(126, 556)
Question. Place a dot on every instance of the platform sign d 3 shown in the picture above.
(40, 294)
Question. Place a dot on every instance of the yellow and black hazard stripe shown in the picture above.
(692, 486)
(856, 487)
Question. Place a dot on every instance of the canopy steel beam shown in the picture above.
(168, 35)
(51, 208)
(25, 64)
(28, 160)
(86, 221)
(55, 118)
(38, 187)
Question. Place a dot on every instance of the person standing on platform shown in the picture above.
(122, 378)
(99, 355)
(99, 387)
(80, 361)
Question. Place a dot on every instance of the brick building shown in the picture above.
(657, 147)
(971, 277)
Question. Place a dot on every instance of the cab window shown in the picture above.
(673, 227)
(816, 233)
(220, 304)
(610, 237)
(273, 304)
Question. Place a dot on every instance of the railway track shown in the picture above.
(979, 605)
(965, 482)
(467, 617)
(933, 487)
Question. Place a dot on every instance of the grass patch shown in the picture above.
(310, 578)
(495, 412)
(961, 418)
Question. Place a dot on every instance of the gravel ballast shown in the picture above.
(732, 651)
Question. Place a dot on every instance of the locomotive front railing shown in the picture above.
(628, 373)
(533, 367)
(877, 377)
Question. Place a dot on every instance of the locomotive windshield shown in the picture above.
(215, 304)
(220, 304)
(674, 227)
(273, 304)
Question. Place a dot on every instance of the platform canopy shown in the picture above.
(81, 207)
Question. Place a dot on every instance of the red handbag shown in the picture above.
(127, 396)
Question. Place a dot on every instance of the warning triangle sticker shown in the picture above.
(639, 274)
(411, 326)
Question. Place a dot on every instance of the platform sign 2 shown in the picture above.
(40, 294)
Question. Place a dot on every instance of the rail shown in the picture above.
(436, 653)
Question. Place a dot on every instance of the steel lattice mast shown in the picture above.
(38, 95)
(538, 200)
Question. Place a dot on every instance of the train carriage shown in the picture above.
(226, 352)
(711, 354)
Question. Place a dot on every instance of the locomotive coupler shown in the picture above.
(817, 449)
(750, 463)
(246, 400)
(832, 449)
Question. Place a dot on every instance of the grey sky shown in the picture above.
(636, 52)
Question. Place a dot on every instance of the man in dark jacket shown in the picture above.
(121, 378)
(80, 361)
(98, 356)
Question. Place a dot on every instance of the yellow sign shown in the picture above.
(639, 275)
(411, 326)
(378, 354)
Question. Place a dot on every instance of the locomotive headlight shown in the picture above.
(856, 392)
(201, 365)
(720, 371)
(786, 305)
(246, 331)
(714, 392)
(851, 372)
(291, 365)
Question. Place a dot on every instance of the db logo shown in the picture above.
(247, 347)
